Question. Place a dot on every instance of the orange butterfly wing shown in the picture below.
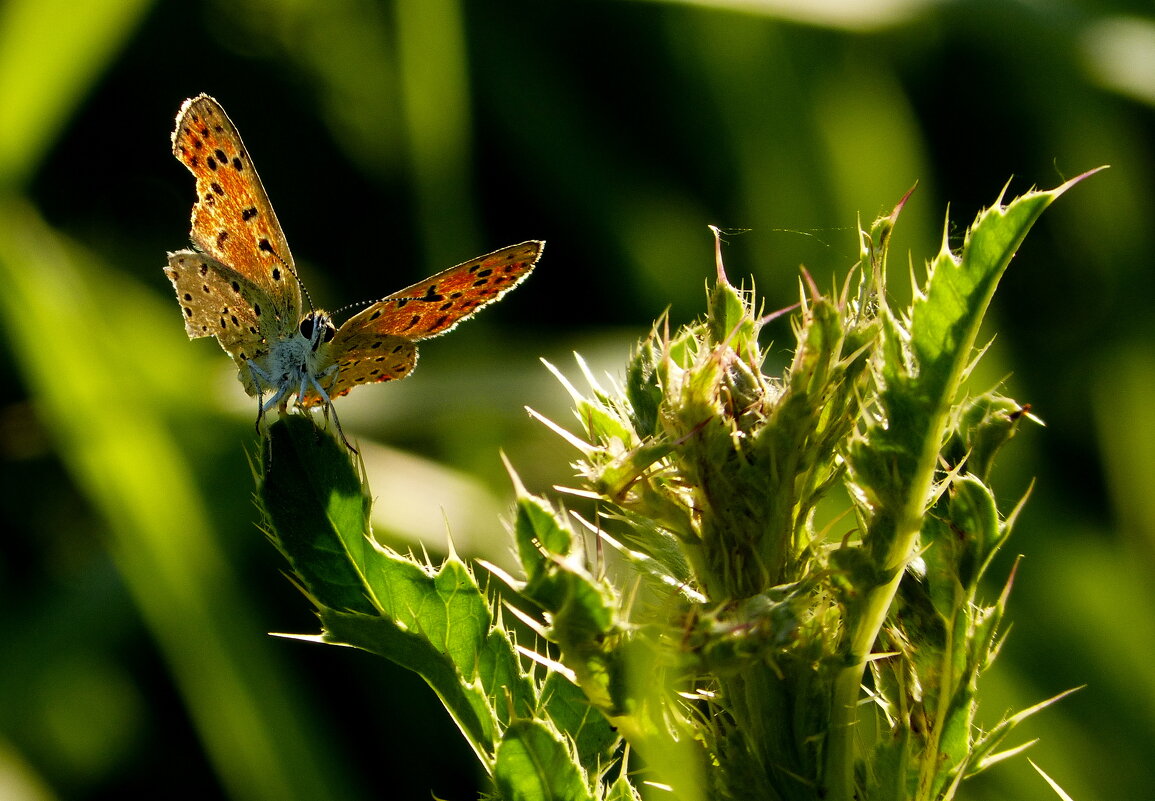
(438, 303)
(232, 220)
(377, 343)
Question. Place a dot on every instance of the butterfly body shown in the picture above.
(297, 362)
(239, 284)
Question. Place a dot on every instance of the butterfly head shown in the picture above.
(317, 328)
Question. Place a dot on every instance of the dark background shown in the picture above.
(396, 139)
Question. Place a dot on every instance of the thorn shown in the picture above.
(815, 293)
(901, 203)
(722, 279)
(775, 315)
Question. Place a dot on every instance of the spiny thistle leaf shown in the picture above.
(533, 764)
(436, 623)
(316, 513)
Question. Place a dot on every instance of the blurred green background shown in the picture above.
(396, 139)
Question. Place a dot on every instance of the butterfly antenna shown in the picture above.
(356, 305)
(305, 292)
(297, 278)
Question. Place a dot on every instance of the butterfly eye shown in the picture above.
(317, 328)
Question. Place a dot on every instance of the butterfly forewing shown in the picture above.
(435, 305)
(378, 343)
(232, 220)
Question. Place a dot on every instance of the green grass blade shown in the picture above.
(67, 318)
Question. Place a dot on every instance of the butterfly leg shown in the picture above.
(327, 403)
(280, 400)
(302, 387)
(260, 380)
(340, 431)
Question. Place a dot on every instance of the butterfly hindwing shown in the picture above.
(232, 220)
(364, 358)
(222, 303)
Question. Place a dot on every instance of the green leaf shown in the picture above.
(533, 764)
(643, 391)
(571, 712)
(893, 462)
(986, 424)
(539, 534)
(438, 624)
(729, 319)
(622, 790)
(467, 705)
(317, 513)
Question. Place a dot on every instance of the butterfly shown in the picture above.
(239, 284)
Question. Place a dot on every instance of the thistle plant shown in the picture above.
(776, 591)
